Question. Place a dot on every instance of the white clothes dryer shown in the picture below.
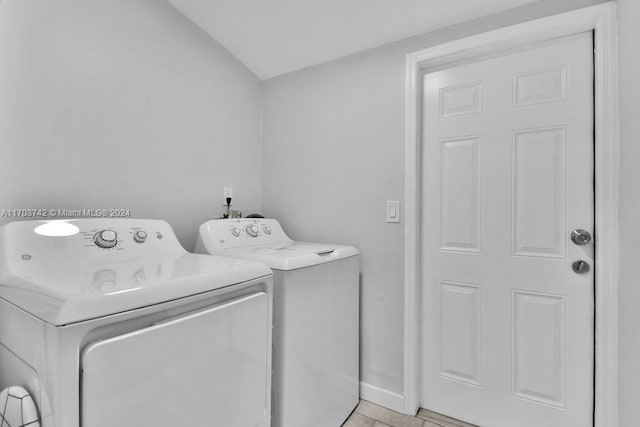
(110, 322)
(316, 318)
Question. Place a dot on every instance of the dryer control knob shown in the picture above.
(140, 236)
(252, 230)
(235, 231)
(106, 239)
(266, 229)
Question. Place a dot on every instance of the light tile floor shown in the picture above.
(367, 414)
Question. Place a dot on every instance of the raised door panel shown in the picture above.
(461, 99)
(540, 86)
(539, 347)
(539, 192)
(460, 194)
(459, 323)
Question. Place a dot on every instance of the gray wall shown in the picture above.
(123, 104)
(126, 104)
(333, 144)
(629, 64)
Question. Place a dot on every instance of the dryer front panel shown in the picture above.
(206, 368)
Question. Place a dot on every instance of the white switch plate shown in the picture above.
(393, 211)
(226, 192)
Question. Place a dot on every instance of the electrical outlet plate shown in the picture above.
(226, 192)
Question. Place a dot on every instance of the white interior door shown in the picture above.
(508, 173)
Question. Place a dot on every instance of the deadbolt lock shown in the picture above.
(581, 267)
(580, 237)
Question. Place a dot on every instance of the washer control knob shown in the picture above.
(252, 230)
(266, 229)
(140, 236)
(235, 231)
(106, 239)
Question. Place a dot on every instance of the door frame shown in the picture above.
(601, 19)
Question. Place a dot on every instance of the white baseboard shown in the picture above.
(382, 397)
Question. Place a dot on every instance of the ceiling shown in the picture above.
(274, 37)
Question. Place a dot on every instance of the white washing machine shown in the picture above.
(110, 322)
(316, 318)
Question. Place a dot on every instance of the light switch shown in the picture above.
(393, 211)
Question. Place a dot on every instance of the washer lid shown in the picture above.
(291, 255)
(68, 279)
(265, 241)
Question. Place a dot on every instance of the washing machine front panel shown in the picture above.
(210, 366)
(316, 340)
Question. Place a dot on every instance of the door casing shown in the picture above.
(600, 19)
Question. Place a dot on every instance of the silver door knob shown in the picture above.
(580, 267)
(580, 237)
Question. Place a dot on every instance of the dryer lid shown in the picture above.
(68, 279)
